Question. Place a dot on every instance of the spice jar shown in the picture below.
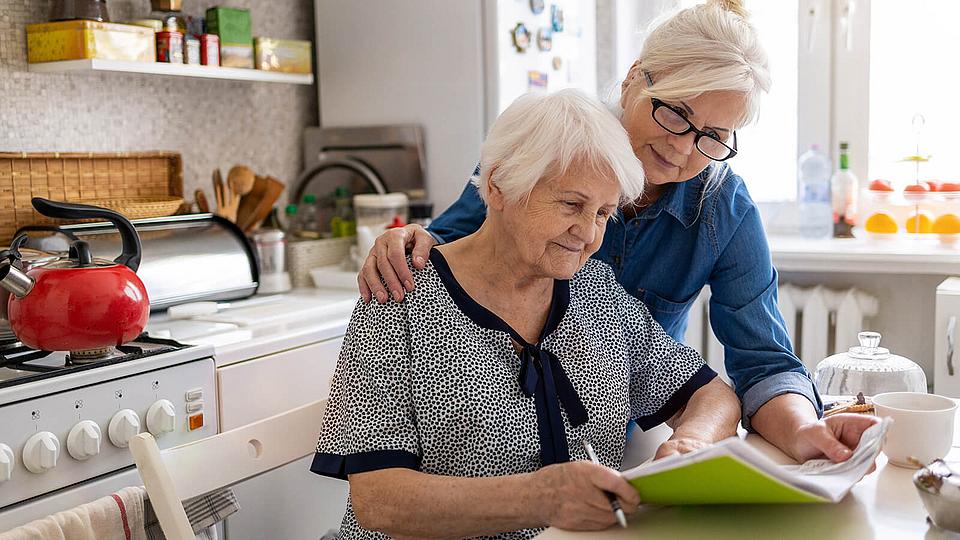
(170, 47)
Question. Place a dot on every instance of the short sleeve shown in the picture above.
(664, 374)
(369, 422)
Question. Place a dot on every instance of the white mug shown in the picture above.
(922, 427)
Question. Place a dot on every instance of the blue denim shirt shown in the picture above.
(670, 250)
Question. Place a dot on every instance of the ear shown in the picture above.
(495, 198)
(633, 76)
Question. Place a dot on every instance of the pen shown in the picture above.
(614, 503)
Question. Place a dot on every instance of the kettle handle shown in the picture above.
(130, 240)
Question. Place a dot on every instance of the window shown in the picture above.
(912, 75)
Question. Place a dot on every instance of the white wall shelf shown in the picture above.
(179, 70)
(896, 256)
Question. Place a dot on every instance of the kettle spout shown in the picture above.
(14, 280)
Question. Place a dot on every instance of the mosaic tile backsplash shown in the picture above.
(212, 123)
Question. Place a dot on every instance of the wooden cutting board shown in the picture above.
(256, 205)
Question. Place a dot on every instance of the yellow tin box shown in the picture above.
(286, 55)
(76, 40)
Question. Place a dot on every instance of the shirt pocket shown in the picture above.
(657, 304)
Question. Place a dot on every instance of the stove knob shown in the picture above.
(41, 452)
(83, 441)
(7, 461)
(123, 426)
(161, 418)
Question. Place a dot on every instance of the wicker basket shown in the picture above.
(87, 178)
(141, 207)
(305, 255)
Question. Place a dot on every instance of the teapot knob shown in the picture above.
(869, 340)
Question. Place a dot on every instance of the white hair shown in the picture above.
(541, 136)
(704, 48)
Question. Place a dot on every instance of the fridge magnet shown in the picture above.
(521, 37)
(545, 39)
(556, 18)
(536, 6)
(537, 80)
(557, 63)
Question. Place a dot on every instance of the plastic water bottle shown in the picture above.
(813, 194)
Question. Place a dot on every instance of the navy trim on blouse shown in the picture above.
(541, 375)
(337, 466)
(678, 399)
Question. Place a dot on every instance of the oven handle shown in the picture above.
(951, 341)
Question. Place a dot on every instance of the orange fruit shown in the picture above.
(882, 223)
(947, 224)
(917, 188)
(920, 222)
(950, 186)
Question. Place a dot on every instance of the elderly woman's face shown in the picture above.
(674, 158)
(563, 221)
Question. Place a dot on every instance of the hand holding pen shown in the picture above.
(614, 502)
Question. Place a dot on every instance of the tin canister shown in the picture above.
(170, 47)
(210, 50)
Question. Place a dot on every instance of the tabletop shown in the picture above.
(885, 504)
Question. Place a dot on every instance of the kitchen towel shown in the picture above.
(203, 513)
(118, 516)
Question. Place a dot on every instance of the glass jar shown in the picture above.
(868, 368)
(374, 214)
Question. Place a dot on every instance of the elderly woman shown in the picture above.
(699, 77)
(461, 411)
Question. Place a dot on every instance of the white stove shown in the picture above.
(64, 427)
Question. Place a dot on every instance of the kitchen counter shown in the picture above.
(885, 504)
(864, 255)
(264, 325)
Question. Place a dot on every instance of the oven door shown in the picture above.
(67, 498)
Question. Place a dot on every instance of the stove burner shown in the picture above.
(20, 364)
(92, 355)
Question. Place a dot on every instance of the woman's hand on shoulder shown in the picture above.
(388, 260)
(572, 495)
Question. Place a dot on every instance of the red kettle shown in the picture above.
(76, 303)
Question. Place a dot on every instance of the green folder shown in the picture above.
(720, 480)
(733, 471)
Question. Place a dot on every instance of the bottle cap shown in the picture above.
(310, 199)
(396, 223)
(291, 209)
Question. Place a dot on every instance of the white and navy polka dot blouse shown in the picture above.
(434, 383)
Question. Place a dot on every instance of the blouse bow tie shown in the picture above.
(543, 378)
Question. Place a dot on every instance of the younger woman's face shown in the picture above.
(670, 158)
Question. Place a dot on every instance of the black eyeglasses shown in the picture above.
(709, 144)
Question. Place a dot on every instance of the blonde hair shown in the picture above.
(704, 48)
(541, 135)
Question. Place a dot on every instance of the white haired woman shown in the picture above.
(699, 77)
(461, 410)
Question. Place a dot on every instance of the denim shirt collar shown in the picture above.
(681, 200)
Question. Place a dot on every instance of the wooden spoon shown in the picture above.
(240, 181)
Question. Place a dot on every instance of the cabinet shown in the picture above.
(289, 502)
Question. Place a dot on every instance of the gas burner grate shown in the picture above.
(35, 365)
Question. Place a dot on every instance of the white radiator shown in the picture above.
(820, 321)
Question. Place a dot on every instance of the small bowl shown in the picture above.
(944, 512)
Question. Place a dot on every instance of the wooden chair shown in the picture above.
(176, 474)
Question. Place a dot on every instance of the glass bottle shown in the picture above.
(844, 186)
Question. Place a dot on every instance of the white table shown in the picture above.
(885, 504)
